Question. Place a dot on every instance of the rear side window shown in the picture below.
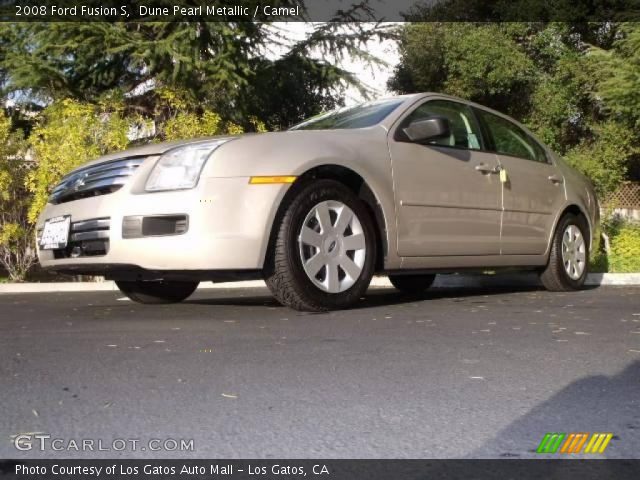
(465, 132)
(509, 139)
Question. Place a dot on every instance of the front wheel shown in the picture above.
(157, 291)
(412, 284)
(324, 253)
(569, 257)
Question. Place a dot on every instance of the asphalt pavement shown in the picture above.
(455, 374)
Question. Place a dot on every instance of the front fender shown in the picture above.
(363, 151)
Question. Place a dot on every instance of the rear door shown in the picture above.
(447, 192)
(533, 190)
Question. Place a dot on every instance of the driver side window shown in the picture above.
(465, 132)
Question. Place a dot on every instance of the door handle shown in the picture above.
(556, 179)
(486, 169)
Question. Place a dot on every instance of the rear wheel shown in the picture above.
(157, 291)
(324, 252)
(569, 258)
(412, 284)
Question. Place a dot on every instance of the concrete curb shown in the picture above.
(442, 281)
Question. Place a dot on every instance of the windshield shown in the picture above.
(359, 116)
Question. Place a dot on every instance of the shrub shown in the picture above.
(68, 134)
(186, 125)
(182, 118)
(625, 250)
(17, 253)
(604, 159)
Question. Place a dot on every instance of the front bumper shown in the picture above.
(229, 222)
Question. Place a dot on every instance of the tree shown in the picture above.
(217, 63)
(17, 253)
(184, 120)
(84, 60)
(289, 90)
(616, 73)
(604, 158)
(482, 63)
(617, 82)
(68, 134)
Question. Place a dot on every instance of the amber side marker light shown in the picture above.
(270, 180)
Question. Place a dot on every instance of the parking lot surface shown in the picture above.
(453, 374)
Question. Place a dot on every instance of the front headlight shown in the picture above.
(180, 168)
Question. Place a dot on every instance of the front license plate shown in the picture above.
(55, 233)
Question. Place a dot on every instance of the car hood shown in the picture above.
(265, 141)
(152, 149)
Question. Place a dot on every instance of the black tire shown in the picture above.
(554, 277)
(284, 273)
(412, 284)
(157, 292)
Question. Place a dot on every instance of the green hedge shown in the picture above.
(624, 255)
(625, 250)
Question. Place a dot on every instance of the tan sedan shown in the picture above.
(408, 186)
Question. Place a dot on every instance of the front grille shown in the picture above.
(95, 180)
(88, 238)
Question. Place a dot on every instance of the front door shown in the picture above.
(447, 192)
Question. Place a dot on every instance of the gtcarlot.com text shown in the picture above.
(45, 442)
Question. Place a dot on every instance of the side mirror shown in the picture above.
(428, 129)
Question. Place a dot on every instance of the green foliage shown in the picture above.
(481, 63)
(67, 135)
(193, 125)
(560, 106)
(484, 62)
(618, 75)
(17, 253)
(83, 60)
(183, 120)
(288, 90)
(625, 250)
(598, 263)
(604, 158)
(624, 246)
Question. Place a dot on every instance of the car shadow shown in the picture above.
(594, 404)
(375, 297)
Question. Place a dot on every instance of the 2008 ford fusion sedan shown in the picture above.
(407, 186)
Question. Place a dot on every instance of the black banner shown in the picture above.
(320, 469)
(319, 10)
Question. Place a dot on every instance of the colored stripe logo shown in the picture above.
(570, 443)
